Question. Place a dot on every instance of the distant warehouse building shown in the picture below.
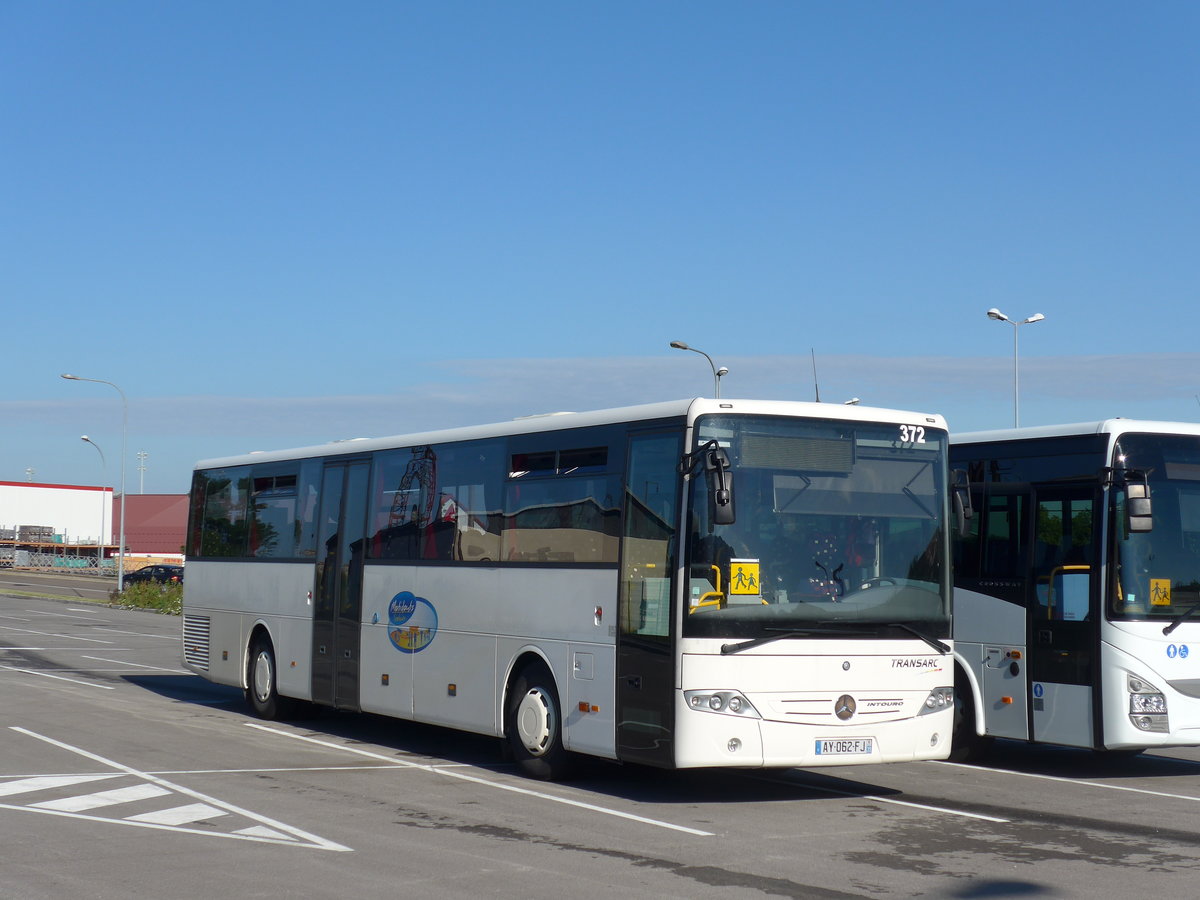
(51, 516)
(155, 524)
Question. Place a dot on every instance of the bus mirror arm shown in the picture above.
(961, 491)
(720, 484)
(720, 480)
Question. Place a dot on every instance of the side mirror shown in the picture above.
(960, 490)
(1138, 514)
(720, 486)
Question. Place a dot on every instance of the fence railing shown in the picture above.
(56, 562)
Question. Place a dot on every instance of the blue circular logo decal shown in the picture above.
(412, 622)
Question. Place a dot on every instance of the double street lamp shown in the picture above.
(994, 313)
(717, 373)
(124, 433)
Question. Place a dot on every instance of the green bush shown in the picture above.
(165, 598)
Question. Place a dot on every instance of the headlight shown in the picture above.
(730, 703)
(1147, 706)
(938, 699)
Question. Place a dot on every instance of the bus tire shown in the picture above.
(965, 744)
(262, 681)
(533, 725)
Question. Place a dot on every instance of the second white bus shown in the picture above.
(1078, 588)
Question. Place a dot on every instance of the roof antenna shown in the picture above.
(816, 387)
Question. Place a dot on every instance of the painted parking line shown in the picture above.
(462, 776)
(127, 664)
(180, 806)
(1059, 778)
(106, 687)
(56, 635)
(944, 810)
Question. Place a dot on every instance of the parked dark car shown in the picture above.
(157, 574)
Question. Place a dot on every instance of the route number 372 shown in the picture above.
(912, 434)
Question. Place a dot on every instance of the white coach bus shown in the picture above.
(1076, 588)
(683, 584)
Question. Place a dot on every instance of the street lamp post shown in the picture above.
(100, 542)
(717, 373)
(124, 434)
(994, 313)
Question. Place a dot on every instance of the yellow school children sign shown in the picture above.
(743, 578)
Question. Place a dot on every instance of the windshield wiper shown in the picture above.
(939, 646)
(782, 634)
(1180, 619)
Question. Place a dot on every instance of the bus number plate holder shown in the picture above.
(845, 746)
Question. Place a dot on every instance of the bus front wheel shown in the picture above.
(966, 744)
(534, 725)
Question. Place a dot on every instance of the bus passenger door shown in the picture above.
(337, 594)
(645, 649)
(1063, 619)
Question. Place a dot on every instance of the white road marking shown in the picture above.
(878, 799)
(46, 782)
(183, 815)
(101, 799)
(106, 687)
(268, 830)
(161, 637)
(57, 636)
(121, 662)
(1097, 784)
(404, 764)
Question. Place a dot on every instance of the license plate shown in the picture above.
(845, 746)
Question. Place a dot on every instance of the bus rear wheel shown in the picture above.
(534, 725)
(261, 682)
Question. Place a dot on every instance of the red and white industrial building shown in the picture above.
(77, 520)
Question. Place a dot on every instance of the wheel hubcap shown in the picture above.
(263, 676)
(535, 721)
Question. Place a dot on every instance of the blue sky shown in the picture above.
(274, 224)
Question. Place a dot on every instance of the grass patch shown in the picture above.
(164, 598)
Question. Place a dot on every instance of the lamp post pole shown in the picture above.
(717, 373)
(124, 434)
(1001, 317)
(100, 542)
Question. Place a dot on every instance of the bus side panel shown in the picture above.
(385, 675)
(235, 596)
(981, 618)
(447, 637)
(454, 682)
(989, 638)
(590, 705)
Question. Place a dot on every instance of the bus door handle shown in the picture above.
(634, 681)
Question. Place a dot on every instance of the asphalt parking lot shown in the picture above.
(123, 775)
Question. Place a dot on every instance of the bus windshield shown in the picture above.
(1158, 572)
(839, 528)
